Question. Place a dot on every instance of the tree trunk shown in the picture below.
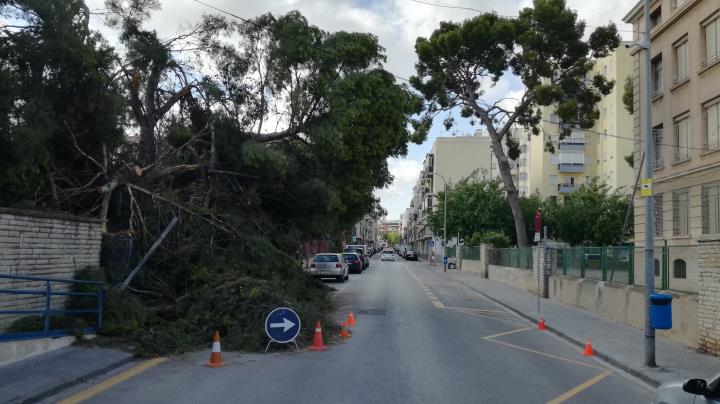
(510, 189)
(147, 144)
(107, 191)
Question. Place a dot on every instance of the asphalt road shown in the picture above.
(420, 338)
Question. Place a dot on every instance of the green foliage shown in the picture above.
(544, 47)
(478, 209)
(497, 239)
(392, 238)
(628, 95)
(592, 215)
(54, 84)
(475, 204)
(630, 159)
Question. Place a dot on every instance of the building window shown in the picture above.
(676, 3)
(681, 213)
(657, 267)
(679, 269)
(655, 17)
(711, 120)
(657, 133)
(658, 209)
(711, 208)
(712, 41)
(681, 139)
(681, 62)
(656, 69)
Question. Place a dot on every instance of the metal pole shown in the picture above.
(649, 208)
(445, 229)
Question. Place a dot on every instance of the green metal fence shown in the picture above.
(471, 253)
(612, 264)
(512, 257)
(675, 266)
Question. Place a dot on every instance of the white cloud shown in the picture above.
(397, 196)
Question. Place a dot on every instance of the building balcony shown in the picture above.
(571, 146)
(566, 188)
(571, 167)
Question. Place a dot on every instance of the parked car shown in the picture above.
(354, 261)
(364, 250)
(410, 255)
(690, 391)
(387, 255)
(329, 265)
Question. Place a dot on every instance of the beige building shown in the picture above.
(685, 87)
(598, 152)
(685, 84)
(453, 158)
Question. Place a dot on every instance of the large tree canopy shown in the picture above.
(544, 47)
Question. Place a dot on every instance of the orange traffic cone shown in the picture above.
(216, 354)
(351, 319)
(588, 348)
(344, 333)
(541, 324)
(317, 344)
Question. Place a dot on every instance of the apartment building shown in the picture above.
(366, 231)
(685, 108)
(451, 159)
(685, 85)
(598, 152)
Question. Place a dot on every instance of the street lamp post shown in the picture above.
(444, 220)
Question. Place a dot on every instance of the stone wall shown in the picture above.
(47, 245)
(709, 295)
(626, 304)
(516, 277)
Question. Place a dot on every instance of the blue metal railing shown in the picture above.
(48, 312)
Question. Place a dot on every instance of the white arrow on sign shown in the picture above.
(285, 325)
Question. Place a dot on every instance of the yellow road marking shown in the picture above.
(522, 348)
(480, 310)
(577, 389)
(115, 380)
(490, 317)
(438, 304)
(508, 332)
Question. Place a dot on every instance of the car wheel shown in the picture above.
(340, 278)
(347, 276)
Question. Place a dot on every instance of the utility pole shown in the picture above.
(645, 107)
(444, 220)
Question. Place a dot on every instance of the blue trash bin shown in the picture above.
(661, 311)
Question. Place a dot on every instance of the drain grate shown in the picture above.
(372, 312)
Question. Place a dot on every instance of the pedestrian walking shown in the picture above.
(432, 259)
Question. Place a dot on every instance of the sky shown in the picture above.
(396, 23)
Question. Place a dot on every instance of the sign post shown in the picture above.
(282, 326)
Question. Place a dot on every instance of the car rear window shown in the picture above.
(351, 256)
(326, 258)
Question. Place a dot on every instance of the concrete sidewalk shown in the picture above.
(619, 344)
(44, 375)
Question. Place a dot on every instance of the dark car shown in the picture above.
(363, 258)
(410, 255)
(354, 262)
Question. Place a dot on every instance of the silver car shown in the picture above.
(693, 391)
(388, 255)
(329, 265)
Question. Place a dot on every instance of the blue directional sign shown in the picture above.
(282, 325)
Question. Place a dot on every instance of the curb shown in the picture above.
(605, 357)
(78, 380)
